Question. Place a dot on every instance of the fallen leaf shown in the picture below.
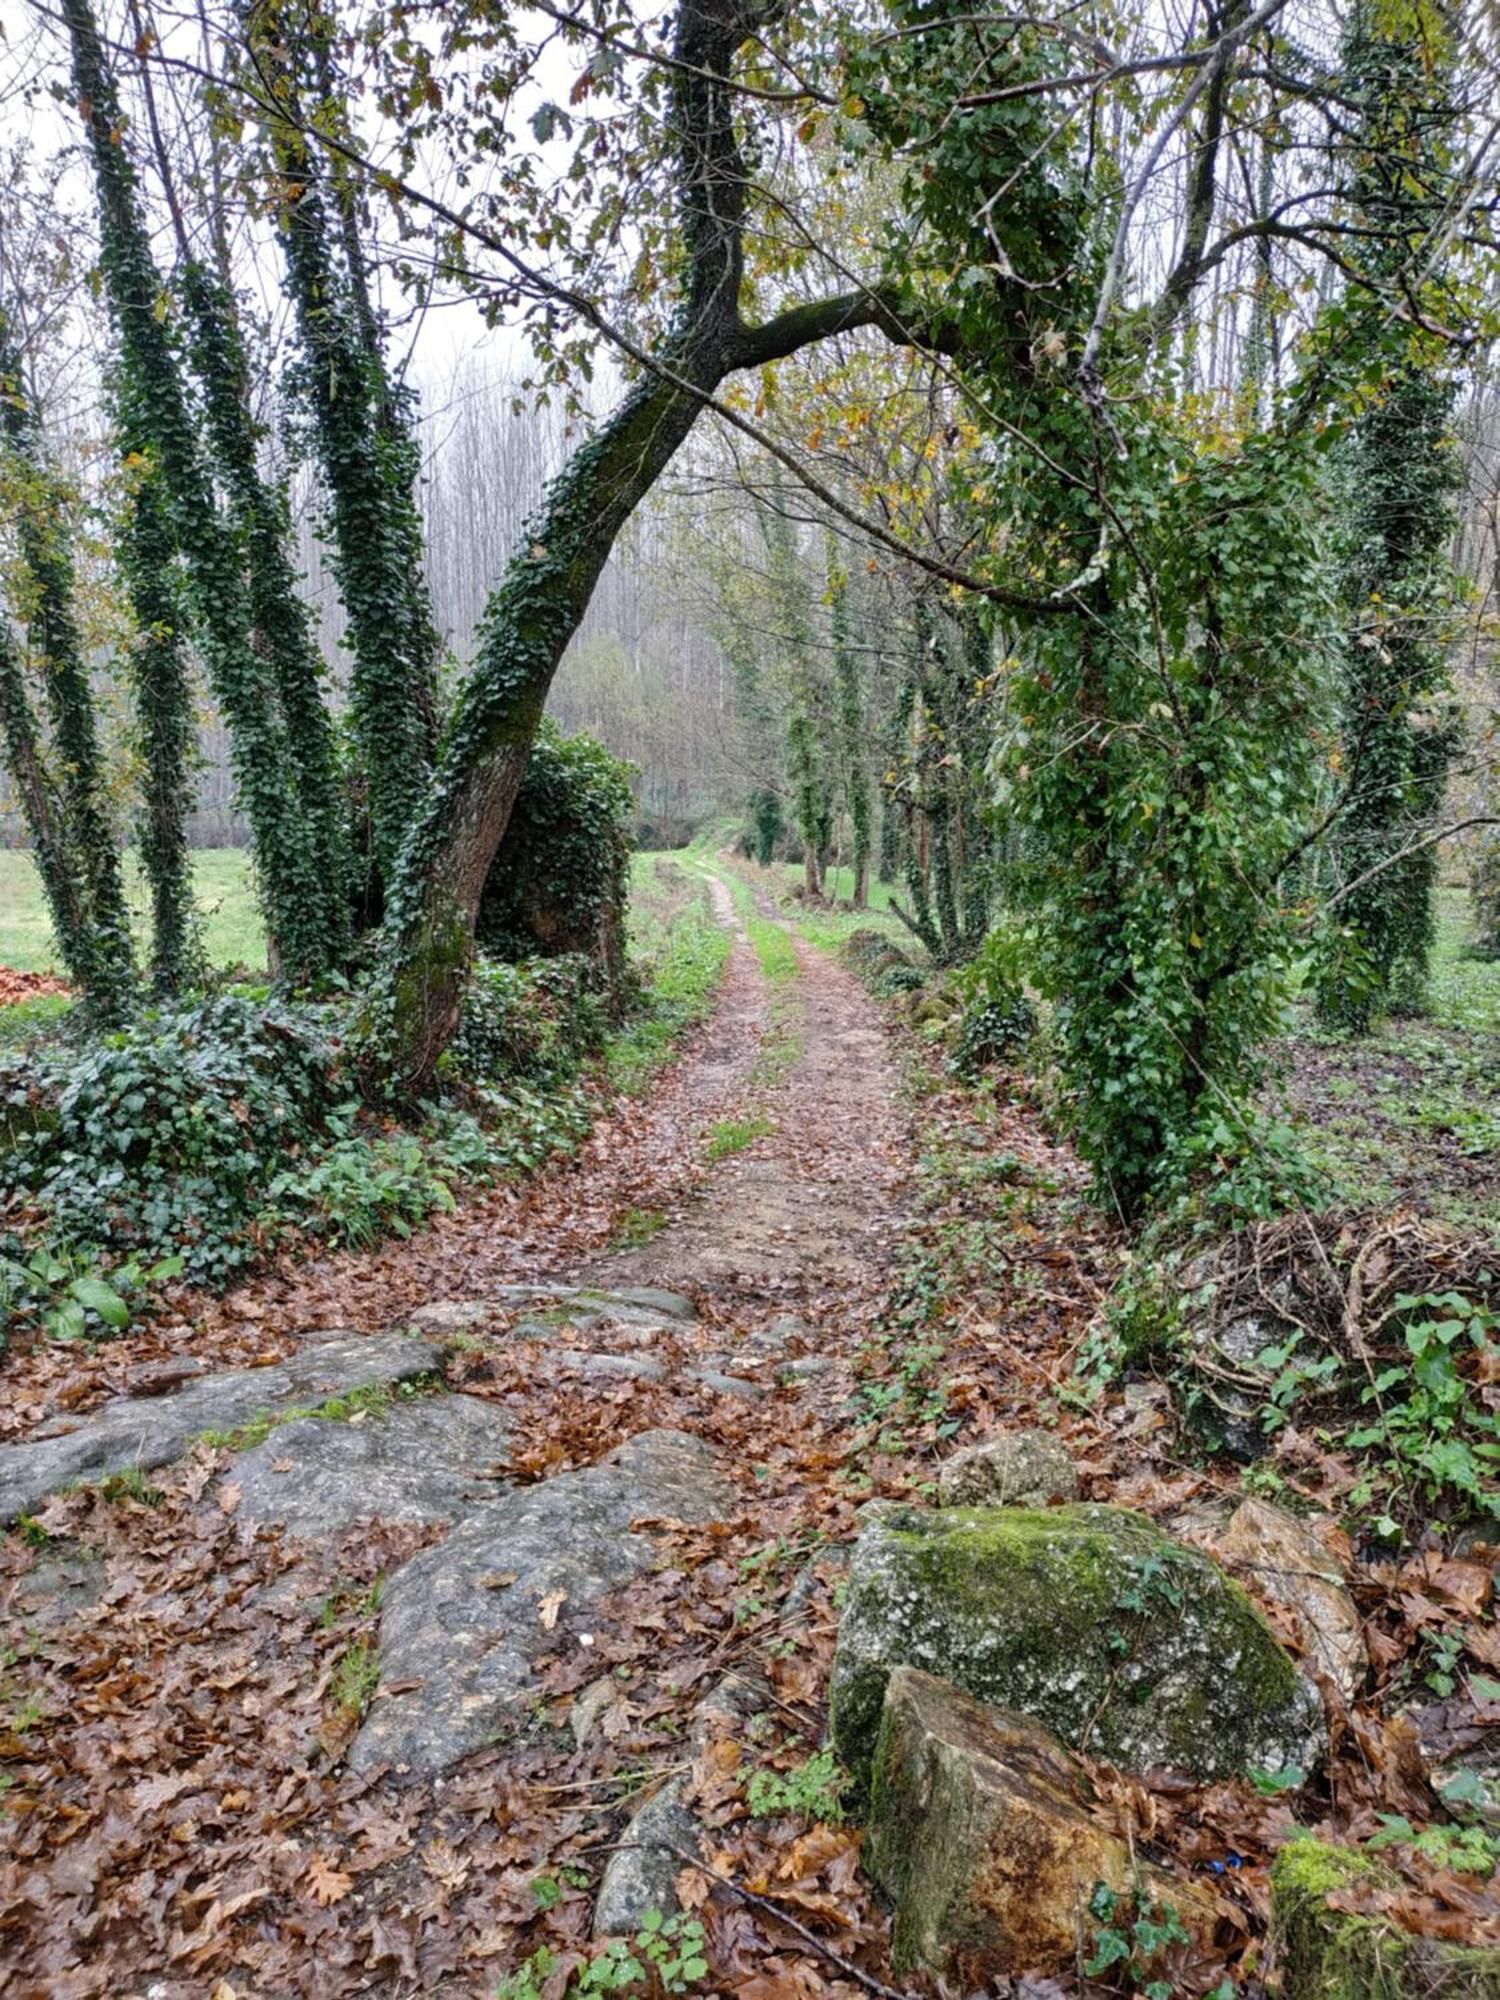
(549, 1607)
(325, 1883)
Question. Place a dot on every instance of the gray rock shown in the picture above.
(60, 1583)
(468, 1618)
(726, 1385)
(423, 1460)
(153, 1431)
(1089, 1619)
(1282, 1562)
(1018, 1469)
(603, 1367)
(452, 1315)
(642, 1872)
(806, 1366)
(670, 1305)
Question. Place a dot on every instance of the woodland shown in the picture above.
(750, 999)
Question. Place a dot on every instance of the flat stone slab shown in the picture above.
(424, 1460)
(149, 1431)
(468, 1618)
(640, 1310)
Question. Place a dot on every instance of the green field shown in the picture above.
(232, 929)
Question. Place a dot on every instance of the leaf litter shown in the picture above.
(178, 1814)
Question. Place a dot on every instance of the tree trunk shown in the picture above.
(428, 934)
(167, 731)
(429, 930)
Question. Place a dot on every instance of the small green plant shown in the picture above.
(1152, 1583)
(666, 1956)
(733, 1135)
(356, 1678)
(811, 1790)
(1467, 1850)
(1130, 1938)
(636, 1227)
(130, 1484)
(1429, 1424)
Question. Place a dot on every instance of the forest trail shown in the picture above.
(287, 1757)
(812, 1147)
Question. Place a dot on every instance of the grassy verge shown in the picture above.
(1409, 1116)
(679, 952)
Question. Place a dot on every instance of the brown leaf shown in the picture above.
(325, 1883)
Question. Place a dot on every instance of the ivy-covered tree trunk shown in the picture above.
(281, 633)
(45, 547)
(851, 727)
(808, 797)
(428, 932)
(1398, 477)
(168, 737)
(368, 453)
(158, 424)
(56, 863)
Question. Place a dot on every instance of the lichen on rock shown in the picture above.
(1089, 1619)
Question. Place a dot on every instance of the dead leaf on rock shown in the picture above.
(549, 1607)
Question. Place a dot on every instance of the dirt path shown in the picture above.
(221, 1734)
(804, 1209)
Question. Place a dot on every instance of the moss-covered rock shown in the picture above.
(987, 1836)
(1323, 1953)
(1088, 1618)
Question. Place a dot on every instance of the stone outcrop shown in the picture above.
(1090, 1620)
(464, 1621)
(1282, 1562)
(152, 1431)
(984, 1831)
(429, 1459)
(1017, 1469)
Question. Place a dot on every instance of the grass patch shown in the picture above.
(223, 888)
(733, 1135)
(636, 1227)
(679, 953)
(1409, 1116)
(374, 1399)
(131, 1484)
(355, 1678)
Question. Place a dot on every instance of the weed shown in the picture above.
(636, 1227)
(356, 1678)
(667, 1956)
(1467, 1850)
(733, 1135)
(810, 1789)
(1131, 1936)
(130, 1484)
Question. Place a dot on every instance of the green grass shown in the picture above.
(1410, 1114)
(733, 1135)
(679, 952)
(232, 930)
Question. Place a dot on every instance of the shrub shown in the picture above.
(539, 1020)
(162, 1139)
(1484, 893)
(557, 886)
(998, 1019)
